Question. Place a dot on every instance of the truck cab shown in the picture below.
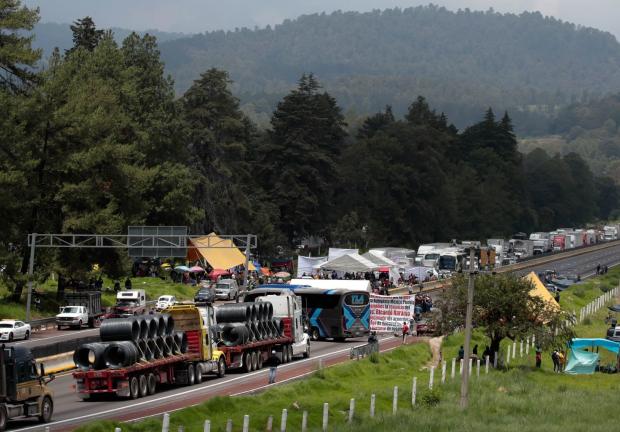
(288, 305)
(129, 303)
(23, 392)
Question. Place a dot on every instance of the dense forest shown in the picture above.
(463, 61)
(588, 129)
(98, 141)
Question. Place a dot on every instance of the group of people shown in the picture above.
(559, 360)
(600, 270)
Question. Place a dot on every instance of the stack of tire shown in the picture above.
(240, 323)
(126, 341)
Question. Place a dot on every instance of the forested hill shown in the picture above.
(463, 61)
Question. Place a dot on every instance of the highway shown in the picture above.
(70, 411)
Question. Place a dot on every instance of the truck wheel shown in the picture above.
(254, 361)
(247, 362)
(3, 418)
(284, 354)
(191, 375)
(307, 351)
(290, 353)
(47, 409)
(221, 368)
(198, 373)
(27, 336)
(134, 388)
(314, 334)
(144, 389)
(10, 337)
(152, 384)
(260, 359)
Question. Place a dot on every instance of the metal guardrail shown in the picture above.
(362, 351)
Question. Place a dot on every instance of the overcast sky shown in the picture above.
(192, 16)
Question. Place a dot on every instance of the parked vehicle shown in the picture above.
(165, 301)
(205, 354)
(610, 232)
(559, 242)
(23, 392)
(129, 303)
(82, 308)
(11, 330)
(226, 289)
(613, 333)
(541, 246)
(206, 294)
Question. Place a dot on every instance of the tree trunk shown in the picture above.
(495, 344)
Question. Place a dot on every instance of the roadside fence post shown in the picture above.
(514, 349)
(325, 416)
(495, 359)
(471, 361)
(165, 425)
(181, 428)
(395, 400)
(117, 429)
(453, 368)
(270, 424)
(351, 410)
(486, 365)
(372, 405)
(304, 421)
(527, 347)
(431, 378)
(461, 367)
(508, 357)
(414, 390)
(229, 425)
(283, 420)
(478, 368)
(443, 372)
(207, 426)
(533, 341)
(246, 423)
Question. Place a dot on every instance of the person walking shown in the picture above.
(127, 283)
(274, 362)
(461, 353)
(561, 360)
(405, 331)
(475, 351)
(556, 363)
(538, 357)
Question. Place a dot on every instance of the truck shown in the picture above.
(24, 393)
(81, 308)
(205, 355)
(521, 248)
(129, 303)
(610, 232)
(542, 246)
(559, 242)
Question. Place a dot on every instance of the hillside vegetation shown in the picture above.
(464, 61)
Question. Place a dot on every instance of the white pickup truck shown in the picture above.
(72, 316)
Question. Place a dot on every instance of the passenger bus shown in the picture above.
(329, 313)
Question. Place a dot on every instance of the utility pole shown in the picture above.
(468, 319)
(30, 276)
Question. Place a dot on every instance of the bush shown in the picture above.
(587, 321)
(430, 398)
(374, 357)
(579, 292)
(604, 288)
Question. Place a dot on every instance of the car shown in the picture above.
(12, 329)
(226, 289)
(206, 294)
(165, 301)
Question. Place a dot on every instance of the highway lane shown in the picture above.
(53, 336)
(70, 411)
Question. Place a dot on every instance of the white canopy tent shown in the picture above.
(350, 285)
(352, 262)
(337, 252)
(379, 259)
(306, 265)
(420, 272)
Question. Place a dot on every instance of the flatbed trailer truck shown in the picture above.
(203, 357)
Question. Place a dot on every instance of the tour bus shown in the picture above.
(329, 313)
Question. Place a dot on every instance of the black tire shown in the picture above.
(254, 360)
(10, 337)
(307, 352)
(198, 374)
(47, 410)
(27, 336)
(144, 387)
(247, 362)
(3, 418)
(57, 326)
(290, 353)
(221, 368)
(151, 384)
(80, 324)
(285, 358)
(134, 388)
(314, 334)
(260, 359)
(191, 375)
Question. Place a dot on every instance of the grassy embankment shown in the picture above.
(154, 287)
(521, 398)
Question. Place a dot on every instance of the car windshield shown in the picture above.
(204, 291)
(126, 303)
(69, 310)
(6, 325)
(165, 298)
(222, 286)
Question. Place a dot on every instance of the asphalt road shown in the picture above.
(70, 411)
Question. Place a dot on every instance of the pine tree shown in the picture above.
(85, 35)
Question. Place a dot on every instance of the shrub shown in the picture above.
(430, 398)
(587, 321)
(374, 357)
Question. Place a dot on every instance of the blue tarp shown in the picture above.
(581, 361)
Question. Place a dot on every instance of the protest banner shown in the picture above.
(387, 313)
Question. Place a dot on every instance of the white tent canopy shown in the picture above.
(350, 285)
(420, 272)
(352, 262)
(337, 252)
(307, 265)
(379, 259)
